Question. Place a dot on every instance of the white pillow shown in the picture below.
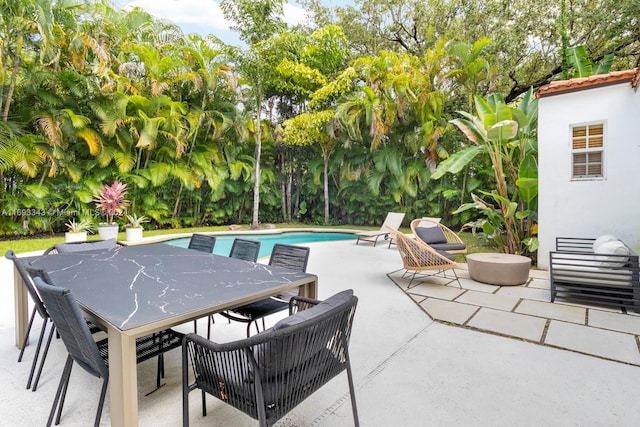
(603, 239)
(614, 248)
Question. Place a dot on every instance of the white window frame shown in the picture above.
(588, 150)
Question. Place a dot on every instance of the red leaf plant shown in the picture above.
(111, 200)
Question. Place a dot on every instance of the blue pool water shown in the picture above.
(224, 242)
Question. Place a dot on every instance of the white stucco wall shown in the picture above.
(579, 208)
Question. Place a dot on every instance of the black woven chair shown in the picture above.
(32, 383)
(92, 356)
(267, 375)
(243, 249)
(40, 309)
(202, 242)
(289, 256)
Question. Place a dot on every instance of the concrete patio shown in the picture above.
(431, 355)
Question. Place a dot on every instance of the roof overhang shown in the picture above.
(599, 80)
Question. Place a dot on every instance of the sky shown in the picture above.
(204, 17)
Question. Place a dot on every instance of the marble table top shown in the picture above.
(139, 285)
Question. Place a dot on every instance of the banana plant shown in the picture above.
(581, 66)
(506, 135)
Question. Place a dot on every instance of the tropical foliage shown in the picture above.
(507, 136)
(336, 123)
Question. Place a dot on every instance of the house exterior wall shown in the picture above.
(589, 208)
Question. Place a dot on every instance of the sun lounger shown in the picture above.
(393, 222)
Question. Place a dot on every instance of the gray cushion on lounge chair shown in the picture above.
(86, 246)
(431, 235)
(448, 246)
(447, 255)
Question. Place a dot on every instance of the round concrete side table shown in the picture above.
(499, 269)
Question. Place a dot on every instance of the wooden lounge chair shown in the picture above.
(420, 259)
(392, 222)
(438, 236)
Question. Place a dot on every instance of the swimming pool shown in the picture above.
(224, 241)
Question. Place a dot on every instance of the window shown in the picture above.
(587, 143)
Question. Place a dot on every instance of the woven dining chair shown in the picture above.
(270, 373)
(38, 308)
(288, 256)
(202, 242)
(246, 250)
(92, 356)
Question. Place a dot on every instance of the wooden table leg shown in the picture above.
(123, 379)
(309, 290)
(21, 301)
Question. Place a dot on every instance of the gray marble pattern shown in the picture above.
(138, 285)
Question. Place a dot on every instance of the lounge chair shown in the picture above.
(595, 271)
(438, 236)
(418, 258)
(413, 236)
(392, 222)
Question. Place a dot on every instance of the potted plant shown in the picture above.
(134, 227)
(112, 203)
(77, 230)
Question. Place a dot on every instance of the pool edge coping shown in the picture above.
(170, 236)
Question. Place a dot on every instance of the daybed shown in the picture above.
(602, 271)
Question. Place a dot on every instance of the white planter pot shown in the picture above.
(134, 234)
(107, 232)
(70, 237)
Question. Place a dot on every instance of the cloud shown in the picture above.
(201, 13)
(294, 15)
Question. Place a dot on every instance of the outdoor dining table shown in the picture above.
(132, 291)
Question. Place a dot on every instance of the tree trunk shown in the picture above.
(325, 157)
(14, 73)
(176, 207)
(289, 201)
(256, 185)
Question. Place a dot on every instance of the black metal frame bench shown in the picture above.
(579, 275)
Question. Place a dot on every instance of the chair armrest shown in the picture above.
(245, 343)
(297, 303)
